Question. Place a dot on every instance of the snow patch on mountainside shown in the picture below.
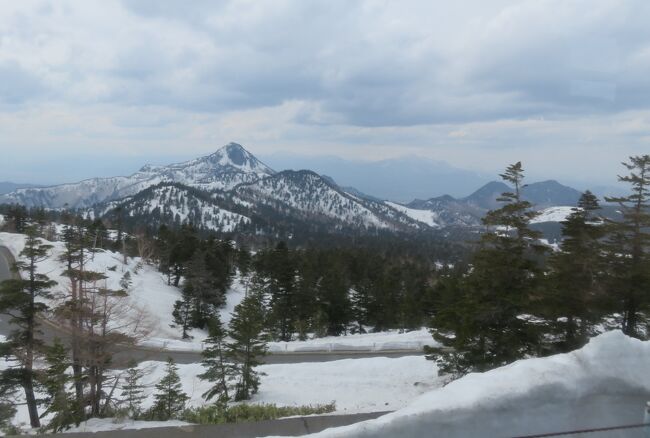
(309, 194)
(427, 217)
(553, 214)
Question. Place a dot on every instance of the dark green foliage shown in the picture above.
(574, 286)
(219, 369)
(133, 391)
(487, 325)
(19, 299)
(182, 314)
(281, 288)
(628, 243)
(169, 397)
(220, 413)
(56, 382)
(248, 345)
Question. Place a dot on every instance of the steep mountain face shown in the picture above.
(173, 205)
(223, 170)
(307, 195)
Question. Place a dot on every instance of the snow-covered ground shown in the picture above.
(354, 385)
(605, 383)
(425, 216)
(107, 424)
(153, 299)
(150, 299)
(553, 214)
(382, 341)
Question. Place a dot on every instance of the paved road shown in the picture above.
(124, 354)
(184, 357)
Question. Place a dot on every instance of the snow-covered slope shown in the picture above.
(553, 214)
(558, 393)
(427, 217)
(308, 196)
(149, 301)
(224, 169)
(173, 204)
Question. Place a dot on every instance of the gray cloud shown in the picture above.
(425, 77)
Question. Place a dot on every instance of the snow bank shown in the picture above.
(355, 385)
(382, 341)
(106, 424)
(607, 378)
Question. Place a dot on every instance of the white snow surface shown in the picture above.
(149, 295)
(427, 217)
(106, 424)
(612, 364)
(382, 341)
(553, 214)
(354, 385)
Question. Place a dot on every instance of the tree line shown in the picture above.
(518, 298)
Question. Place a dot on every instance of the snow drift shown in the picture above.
(606, 383)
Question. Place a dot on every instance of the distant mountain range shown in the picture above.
(469, 210)
(398, 179)
(8, 187)
(231, 190)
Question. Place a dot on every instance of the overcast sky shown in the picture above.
(99, 87)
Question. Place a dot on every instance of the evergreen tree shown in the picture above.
(60, 402)
(333, 298)
(282, 290)
(248, 344)
(628, 244)
(199, 285)
(219, 370)
(574, 282)
(169, 400)
(489, 325)
(133, 391)
(19, 298)
(182, 314)
(73, 257)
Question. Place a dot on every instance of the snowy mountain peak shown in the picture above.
(226, 168)
(234, 155)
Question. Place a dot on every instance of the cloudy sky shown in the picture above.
(100, 87)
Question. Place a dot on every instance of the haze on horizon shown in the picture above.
(99, 88)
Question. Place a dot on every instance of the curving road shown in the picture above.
(125, 354)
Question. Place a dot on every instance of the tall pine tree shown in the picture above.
(220, 371)
(169, 399)
(628, 243)
(489, 325)
(20, 299)
(574, 283)
(248, 344)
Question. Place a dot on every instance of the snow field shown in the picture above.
(355, 385)
(553, 214)
(427, 217)
(150, 300)
(550, 394)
